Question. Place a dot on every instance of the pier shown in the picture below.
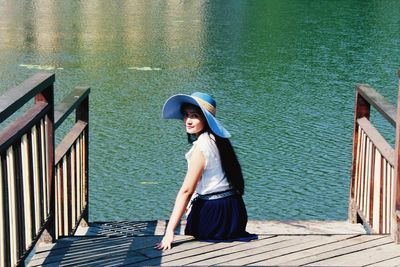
(44, 198)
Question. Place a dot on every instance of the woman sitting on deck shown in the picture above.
(214, 174)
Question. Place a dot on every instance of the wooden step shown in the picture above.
(140, 228)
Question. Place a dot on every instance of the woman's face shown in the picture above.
(193, 119)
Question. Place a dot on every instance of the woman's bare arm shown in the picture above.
(194, 172)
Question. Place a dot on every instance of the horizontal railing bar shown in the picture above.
(69, 104)
(379, 102)
(21, 125)
(18, 96)
(69, 140)
(378, 140)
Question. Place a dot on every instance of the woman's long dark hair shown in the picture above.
(229, 161)
(230, 164)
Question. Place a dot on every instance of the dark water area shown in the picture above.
(283, 73)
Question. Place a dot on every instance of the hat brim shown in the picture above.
(172, 110)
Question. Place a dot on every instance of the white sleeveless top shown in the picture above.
(213, 178)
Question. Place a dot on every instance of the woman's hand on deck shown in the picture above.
(166, 242)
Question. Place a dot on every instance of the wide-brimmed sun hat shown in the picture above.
(207, 104)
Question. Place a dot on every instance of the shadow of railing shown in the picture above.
(110, 244)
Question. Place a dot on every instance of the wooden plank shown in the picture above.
(221, 256)
(12, 200)
(43, 249)
(358, 173)
(85, 168)
(377, 195)
(270, 227)
(365, 206)
(392, 178)
(242, 257)
(108, 259)
(36, 178)
(96, 251)
(75, 248)
(74, 211)
(50, 163)
(26, 185)
(78, 174)
(357, 165)
(362, 171)
(380, 195)
(393, 262)
(49, 166)
(58, 196)
(365, 178)
(69, 104)
(264, 258)
(303, 227)
(85, 254)
(178, 247)
(44, 159)
(3, 239)
(183, 257)
(65, 195)
(74, 260)
(389, 197)
(366, 256)
(389, 194)
(395, 205)
(371, 187)
(295, 244)
(78, 209)
(72, 248)
(354, 196)
(385, 214)
(379, 102)
(327, 251)
(16, 97)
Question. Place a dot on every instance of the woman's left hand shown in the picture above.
(166, 242)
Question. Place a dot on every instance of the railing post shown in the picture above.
(82, 113)
(362, 109)
(47, 95)
(396, 183)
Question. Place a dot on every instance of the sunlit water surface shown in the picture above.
(283, 73)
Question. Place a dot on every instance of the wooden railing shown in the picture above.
(71, 164)
(35, 202)
(374, 187)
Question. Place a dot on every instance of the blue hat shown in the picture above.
(172, 110)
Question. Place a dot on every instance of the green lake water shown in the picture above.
(283, 73)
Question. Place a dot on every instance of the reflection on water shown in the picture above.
(283, 73)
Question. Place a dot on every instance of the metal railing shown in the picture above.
(33, 174)
(374, 193)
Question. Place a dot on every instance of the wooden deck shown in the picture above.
(296, 243)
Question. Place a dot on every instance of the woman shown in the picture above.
(217, 210)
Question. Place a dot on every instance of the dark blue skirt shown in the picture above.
(223, 219)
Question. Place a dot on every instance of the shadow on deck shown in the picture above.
(295, 243)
